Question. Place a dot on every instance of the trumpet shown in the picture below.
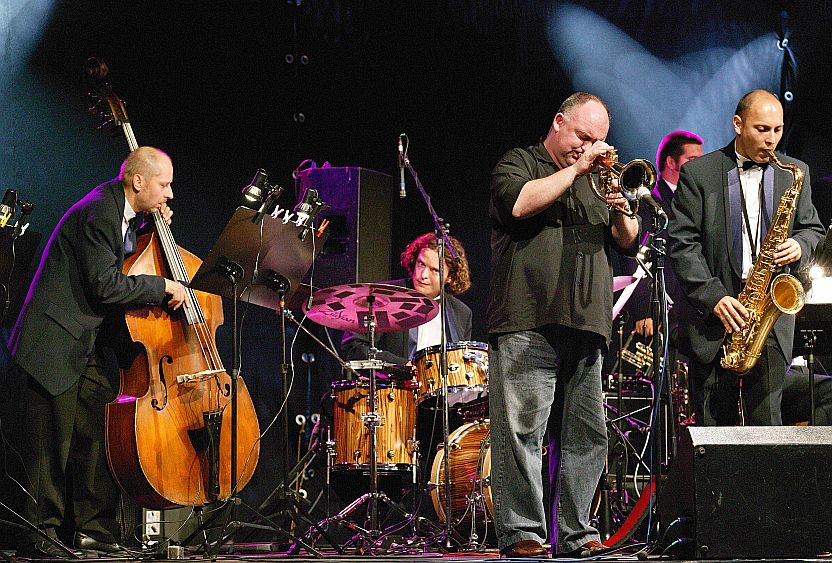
(633, 176)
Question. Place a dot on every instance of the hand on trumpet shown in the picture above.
(615, 199)
(587, 161)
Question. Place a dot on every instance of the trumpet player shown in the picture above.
(723, 206)
(549, 318)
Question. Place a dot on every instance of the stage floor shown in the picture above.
(488, 556)
(264, 552)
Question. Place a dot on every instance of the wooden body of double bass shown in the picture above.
(160, 441)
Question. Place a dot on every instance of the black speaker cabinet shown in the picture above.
(359, 212)
(742, 492)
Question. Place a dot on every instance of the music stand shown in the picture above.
(813, 322)
(270, 258)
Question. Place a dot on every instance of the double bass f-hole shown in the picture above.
(155, 402)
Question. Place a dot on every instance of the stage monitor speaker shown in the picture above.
(359, 212)
(743, 492)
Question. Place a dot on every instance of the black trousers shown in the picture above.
(62, 461)
(796, 397)
(716, 391)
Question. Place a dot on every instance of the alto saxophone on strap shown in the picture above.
(766, 298)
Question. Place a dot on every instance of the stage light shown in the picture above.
(817, 272)
(650, 94)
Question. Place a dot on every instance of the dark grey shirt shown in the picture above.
(554, 267)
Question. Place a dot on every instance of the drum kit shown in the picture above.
(376, 428)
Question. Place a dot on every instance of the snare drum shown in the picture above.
(469, 462)
(395, 404)
(467, 368)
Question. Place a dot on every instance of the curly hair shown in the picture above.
(459, 274)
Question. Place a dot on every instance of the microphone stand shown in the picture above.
(658, 315)
(442, 240)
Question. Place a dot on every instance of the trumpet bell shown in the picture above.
(631, 177)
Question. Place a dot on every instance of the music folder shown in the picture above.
(263, 250)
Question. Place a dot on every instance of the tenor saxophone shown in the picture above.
(765, 298)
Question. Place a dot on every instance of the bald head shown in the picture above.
(143, 160)
(755, 97)
(147, 177)
(582, 119)
(758, 124)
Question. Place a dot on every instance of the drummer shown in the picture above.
(421, 260)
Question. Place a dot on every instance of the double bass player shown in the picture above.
(59, 354)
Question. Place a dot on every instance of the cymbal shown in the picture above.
(344, 307)
(620, 282)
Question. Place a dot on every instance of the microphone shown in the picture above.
(646, 195)
(402, 190)
(7, 208)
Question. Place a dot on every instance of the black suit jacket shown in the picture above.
(393, 346)
(78, 283)
(702, 243)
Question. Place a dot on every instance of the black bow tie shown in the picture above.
(751, 164)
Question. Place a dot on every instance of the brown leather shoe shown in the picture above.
(524, 548)
(589, 549)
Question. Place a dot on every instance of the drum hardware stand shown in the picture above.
(372, 420)
(441, 231)
(273, 276)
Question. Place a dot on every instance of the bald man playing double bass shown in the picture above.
(58, 353)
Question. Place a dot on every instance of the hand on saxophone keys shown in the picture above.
(732, 313)
(787, 252)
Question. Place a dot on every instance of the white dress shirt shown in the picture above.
(750, 180)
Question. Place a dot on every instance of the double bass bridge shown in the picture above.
(199, 376)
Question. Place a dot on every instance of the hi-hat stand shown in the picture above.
(372, 419)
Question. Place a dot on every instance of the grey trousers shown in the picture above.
(553, 370)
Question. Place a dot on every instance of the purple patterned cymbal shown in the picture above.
(344, 307)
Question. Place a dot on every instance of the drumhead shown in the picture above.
(462, 344)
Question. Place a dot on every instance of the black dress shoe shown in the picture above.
(524, 548)
(41, 549)
(89, 543)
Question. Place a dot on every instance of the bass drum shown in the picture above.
(470, 475)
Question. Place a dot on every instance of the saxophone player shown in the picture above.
(723, 206)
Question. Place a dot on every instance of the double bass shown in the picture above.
(168, 433)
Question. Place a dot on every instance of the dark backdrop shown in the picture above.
(227, 87)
